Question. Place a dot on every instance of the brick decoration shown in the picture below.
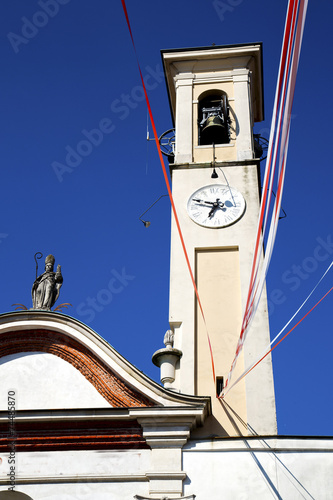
(115, 390)
(72, 435)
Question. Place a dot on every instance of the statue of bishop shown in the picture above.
(46, 288)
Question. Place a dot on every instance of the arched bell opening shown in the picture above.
(213, 118)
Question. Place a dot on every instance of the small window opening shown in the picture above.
(213, 120)
(219, 385)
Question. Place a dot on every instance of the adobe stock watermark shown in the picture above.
(92, 305)
(297, 273)
(225, 7)
(93, 138)
(30, 27)
(3, 236)
(11, 409)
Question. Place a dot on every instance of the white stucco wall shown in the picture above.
(55, 383)
(288, 469)
(85, 491)
(84, 475)
(229, 469)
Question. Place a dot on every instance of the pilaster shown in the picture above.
(241, 79)
(183, 151)
(166, 440)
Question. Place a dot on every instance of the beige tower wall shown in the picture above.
(258, 397)
(221, 258)
(219, 287)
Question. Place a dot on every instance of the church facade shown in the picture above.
(78, 421)
(93, 426)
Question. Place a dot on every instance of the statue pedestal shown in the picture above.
(166, 360)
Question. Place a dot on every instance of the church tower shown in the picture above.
(216, 95)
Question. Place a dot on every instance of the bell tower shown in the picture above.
(216, 94)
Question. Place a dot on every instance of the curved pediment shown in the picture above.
(28, 333)
(115, 391)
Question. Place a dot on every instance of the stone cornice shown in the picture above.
(60, 435)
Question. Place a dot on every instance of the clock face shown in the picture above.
(216, 205)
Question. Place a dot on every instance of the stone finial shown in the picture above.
(169, 339)
(166, 359)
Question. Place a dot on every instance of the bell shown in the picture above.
(213, 131)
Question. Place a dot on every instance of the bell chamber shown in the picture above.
(213, 120)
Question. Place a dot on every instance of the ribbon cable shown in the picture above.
(280, 127)
(286, 335)
(169, 190)
(270, 173)
(283, 154)
(283, 131)
(270, 169)
(269, 348)
(266, 192)
(283, 151)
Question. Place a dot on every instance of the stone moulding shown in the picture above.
(138, 497)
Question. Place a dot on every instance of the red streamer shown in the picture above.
(279, 137)
(169, 188)
(286, 335)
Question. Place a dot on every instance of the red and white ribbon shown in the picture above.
(278, 148)
(269, 348)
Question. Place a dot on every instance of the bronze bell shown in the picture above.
(213, 131)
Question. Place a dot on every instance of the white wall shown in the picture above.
(44, 381)
(288, 469)
(226, 469)
(84, 475)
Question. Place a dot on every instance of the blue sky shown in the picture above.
(68, 69)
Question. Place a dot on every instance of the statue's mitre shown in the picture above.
(50, 260)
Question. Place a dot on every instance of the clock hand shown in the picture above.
(212, 212)
(203, 201)
(216, 204)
